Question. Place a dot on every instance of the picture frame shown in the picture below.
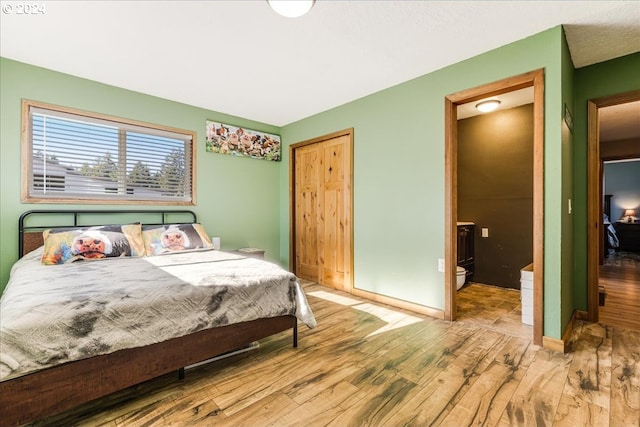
(238, 141)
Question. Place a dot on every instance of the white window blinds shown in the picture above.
(77, 156)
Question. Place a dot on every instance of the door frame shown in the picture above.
(536, 79)
(348, 285)
(595, 220)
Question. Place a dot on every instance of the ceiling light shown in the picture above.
(291, 8)
(486, 106)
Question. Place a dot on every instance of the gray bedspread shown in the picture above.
(54, 314)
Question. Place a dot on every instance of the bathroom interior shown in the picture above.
(495, 212)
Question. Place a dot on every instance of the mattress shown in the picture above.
(55, 314)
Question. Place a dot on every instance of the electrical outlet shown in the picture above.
(441, 265)
(485, 232)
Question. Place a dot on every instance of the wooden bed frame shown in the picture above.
(52, 390)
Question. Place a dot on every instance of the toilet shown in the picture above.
(461, 275)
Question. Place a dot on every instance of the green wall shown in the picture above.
(567, 264)
(596, 81)
(237, 198)
(399, 174)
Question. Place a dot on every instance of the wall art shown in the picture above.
(237, 141)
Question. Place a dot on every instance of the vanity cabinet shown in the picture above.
(466, 256)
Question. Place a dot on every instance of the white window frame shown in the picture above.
(33, 183)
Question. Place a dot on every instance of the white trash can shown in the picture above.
(526, 294)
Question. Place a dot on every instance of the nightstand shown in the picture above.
(629, 235)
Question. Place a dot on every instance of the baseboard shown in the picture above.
(562, 345)
(553, 344)
(582, 315)
(416, 308)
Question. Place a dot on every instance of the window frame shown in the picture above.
(27, 163)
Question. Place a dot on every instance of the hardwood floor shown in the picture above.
(370, 364)
(493, 307)
(620, 275)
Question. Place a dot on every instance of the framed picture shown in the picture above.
(227, 139)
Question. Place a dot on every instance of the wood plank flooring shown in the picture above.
(367, 364)
(621, 279)
(493, 307)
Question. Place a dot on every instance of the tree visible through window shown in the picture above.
(74, 155)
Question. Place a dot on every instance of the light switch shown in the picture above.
(485, 232)
(441, 265)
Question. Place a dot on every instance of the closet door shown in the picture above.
(333, 222)
(323, 212)
(307, 172)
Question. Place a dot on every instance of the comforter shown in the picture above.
(54, 314)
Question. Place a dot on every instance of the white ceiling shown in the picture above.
(240, 58)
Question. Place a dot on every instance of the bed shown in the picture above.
(72, 333)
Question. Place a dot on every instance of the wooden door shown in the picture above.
(322, 211)
(307, 170)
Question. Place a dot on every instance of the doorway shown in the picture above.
(321, 234)
(533, 79)
(597, 230)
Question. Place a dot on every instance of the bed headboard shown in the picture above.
(32, 223)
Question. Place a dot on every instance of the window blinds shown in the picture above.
(82, 157)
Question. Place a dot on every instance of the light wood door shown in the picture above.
(307, 182)
(323, 212)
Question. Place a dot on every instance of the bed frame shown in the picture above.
(52, 390)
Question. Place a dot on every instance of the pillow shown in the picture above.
(160, 239)
(64, 245)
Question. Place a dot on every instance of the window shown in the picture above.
(76, 156)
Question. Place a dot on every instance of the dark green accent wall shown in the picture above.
(495, 191)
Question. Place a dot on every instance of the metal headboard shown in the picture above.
(75, 218)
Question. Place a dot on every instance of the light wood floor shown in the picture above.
(367, 364)
(493, 307)
(621, 278)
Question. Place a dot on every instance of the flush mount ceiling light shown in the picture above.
(291, 8)
(489, 105)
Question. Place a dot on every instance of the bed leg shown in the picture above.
(295, 335)
(180, 374)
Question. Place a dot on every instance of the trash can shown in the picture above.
(526, 294)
